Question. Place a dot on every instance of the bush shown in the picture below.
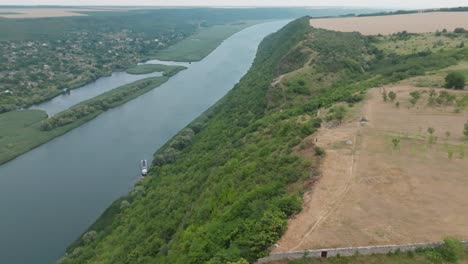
(451, 250)
(316, 122)
(455, 80)
(319, 151)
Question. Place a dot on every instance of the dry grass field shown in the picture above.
(371, 192)
(50, 12)
(414, 23)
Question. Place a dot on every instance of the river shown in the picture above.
(51, 194)
(93, 89)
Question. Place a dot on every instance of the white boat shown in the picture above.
(144, 167)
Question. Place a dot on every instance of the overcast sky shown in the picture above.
(355, 3)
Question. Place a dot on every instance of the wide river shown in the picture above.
(51, 194)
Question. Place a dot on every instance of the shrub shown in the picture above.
(451, 250)
(455, 80)
(316, 122)
(354, 98)
(319, 151)
(415, 94)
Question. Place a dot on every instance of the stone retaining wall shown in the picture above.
(347, 251)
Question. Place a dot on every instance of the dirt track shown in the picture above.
(371, 193)
(415, 23)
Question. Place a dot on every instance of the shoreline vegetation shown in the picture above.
(24, 130)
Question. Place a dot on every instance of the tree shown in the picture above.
(392, 95)
(319, 151)
(447, 134)
(415, 94)
(465, 129)
(449, 152)
(384, 96)
(455, 80)
(397, 104)
(396, 142)
(340, 115)
(432, 139)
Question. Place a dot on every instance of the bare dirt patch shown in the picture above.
(372, 193)
(50, 12)
(414, 23)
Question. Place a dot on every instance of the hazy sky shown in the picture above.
(357, 3)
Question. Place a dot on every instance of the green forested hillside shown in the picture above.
(222, 189)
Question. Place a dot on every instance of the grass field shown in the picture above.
(436, 79)
(414, 23)
(20, 132)
(421, 43)
(372, 192)
(202, 43)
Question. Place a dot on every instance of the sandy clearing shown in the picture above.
(51, 12)
(415, 23)
(380, 195)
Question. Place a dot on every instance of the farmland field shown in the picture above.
(52, 12)
(414, 23)
(372, 192)
(49, 12)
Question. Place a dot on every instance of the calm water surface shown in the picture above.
(100, 86)
(51, 194)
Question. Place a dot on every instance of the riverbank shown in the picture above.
(22, 131)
